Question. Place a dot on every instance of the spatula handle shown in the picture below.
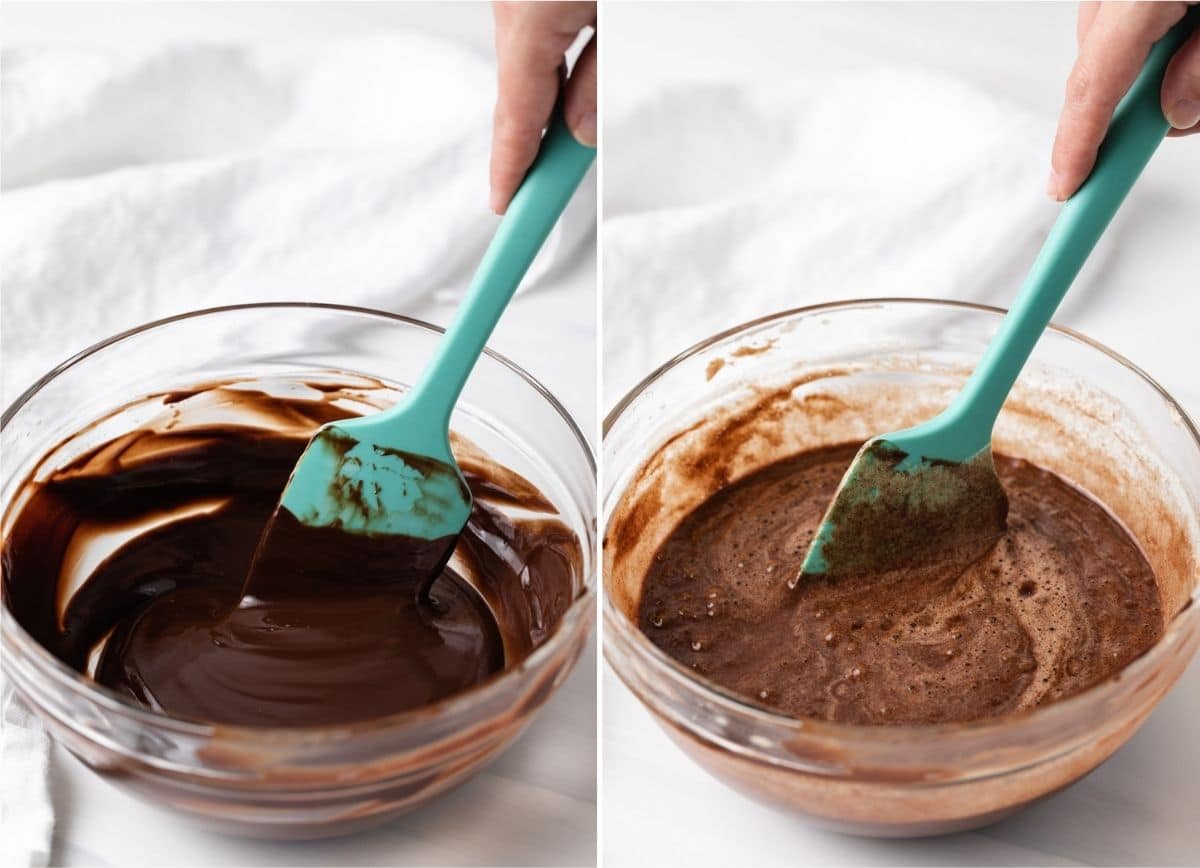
(554, 176)
(1137, 129)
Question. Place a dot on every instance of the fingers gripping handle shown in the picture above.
(553, 178)
(1138, 127)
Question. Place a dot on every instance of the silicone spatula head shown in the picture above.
(896, 508)
(392, 476)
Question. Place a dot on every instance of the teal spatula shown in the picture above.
(912, 496)
(392, 473)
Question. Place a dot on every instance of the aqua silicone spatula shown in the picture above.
(392, 474)
(912, 496)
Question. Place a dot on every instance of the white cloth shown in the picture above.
(26, 815)
(727, 202)
(142, 183)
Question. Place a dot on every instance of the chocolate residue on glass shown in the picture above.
(1062, 601)
(159, 615)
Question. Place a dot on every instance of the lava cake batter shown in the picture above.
(128, 564)
(1062, 601)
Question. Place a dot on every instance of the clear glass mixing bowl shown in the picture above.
(839, 373)
(301, 782)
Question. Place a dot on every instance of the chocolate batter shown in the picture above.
(335, 628)
(1063, 600)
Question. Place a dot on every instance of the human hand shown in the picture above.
(531, 40)
(1114, 39)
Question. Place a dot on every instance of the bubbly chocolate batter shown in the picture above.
(334, 628)
(1063, 600)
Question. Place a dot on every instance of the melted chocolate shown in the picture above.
(1063, 600)
(336, 627)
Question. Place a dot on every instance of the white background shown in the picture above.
(1139, 808)
(536, 804)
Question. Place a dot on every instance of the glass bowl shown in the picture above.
(838, 373)
(297, 782)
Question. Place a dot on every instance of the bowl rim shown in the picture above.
(13, 632)
(616, 624)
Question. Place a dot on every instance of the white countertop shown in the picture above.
(658, 807)
(537, 803)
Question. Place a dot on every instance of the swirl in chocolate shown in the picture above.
(335, 629)
(1062, 601)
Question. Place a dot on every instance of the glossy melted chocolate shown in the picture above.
(334, 628)
(1062, 601)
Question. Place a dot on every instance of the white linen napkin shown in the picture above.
(724, 202)
(145, 182)
(26, 815)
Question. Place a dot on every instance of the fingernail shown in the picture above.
(496, 202)
(1184, 114)
(1052, 186)
(584, 129)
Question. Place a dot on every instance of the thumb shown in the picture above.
(1181, 88)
